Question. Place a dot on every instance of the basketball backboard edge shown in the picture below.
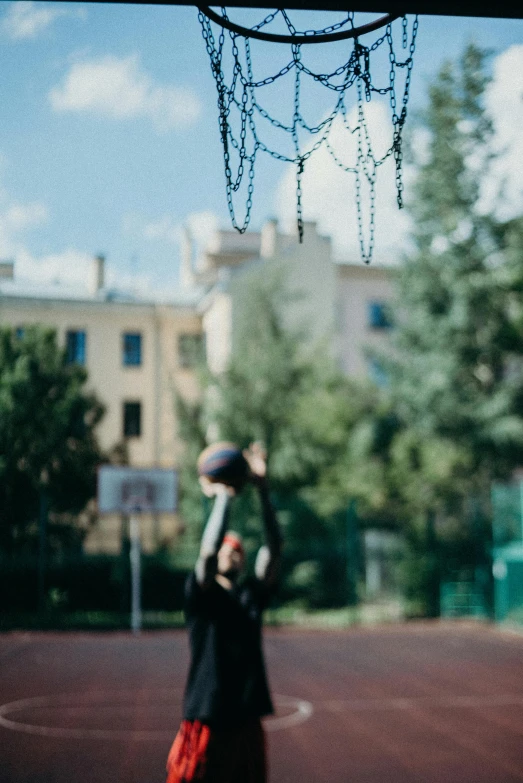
(509, 9)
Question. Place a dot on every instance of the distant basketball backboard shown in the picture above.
(136, 491)
(123, 489)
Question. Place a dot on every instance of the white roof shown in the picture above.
(15, 289)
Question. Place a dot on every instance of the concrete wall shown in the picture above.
(217, 326)
(311, 278)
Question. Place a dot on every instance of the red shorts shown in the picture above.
(202, 754)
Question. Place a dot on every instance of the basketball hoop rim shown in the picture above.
(342, 35)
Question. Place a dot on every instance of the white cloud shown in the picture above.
(21, 216)
(27, 19)
(165, 229)
(198, 227)
(504, 100)
(71, 267)
(202, 226)
(16, 218)
(118, 88)
(67, 267)
(329, 193)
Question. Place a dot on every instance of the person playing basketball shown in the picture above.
(221, 738)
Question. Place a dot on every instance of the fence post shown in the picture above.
(352, 553)
(42, 548)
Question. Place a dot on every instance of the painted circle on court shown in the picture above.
(107, 715)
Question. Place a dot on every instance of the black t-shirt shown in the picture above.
(227, 682)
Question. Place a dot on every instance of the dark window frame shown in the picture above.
(76, 346)
(132, 419)
(378, 315)
(132, 356)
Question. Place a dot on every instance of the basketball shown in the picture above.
(223, 463)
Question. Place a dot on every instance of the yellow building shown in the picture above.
(136, 352)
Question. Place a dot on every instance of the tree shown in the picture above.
(282, 391)
(48, 446)
(456, 378)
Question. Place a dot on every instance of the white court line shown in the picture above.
(402, 703)
(103, 700)
(304, 710)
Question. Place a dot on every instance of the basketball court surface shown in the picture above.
(420, 702)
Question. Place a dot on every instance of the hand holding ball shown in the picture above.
(223, 463)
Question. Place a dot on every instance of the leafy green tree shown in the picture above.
(279, 390)
(192, 432)
(48, 446)
(456, 377)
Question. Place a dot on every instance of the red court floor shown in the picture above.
(430, 703)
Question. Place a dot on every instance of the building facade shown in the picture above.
(343, 306)
(139, 352)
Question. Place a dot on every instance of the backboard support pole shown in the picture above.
(135, 556)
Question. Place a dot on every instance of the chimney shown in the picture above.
(269, 239)
(98, 274)
(7, 270)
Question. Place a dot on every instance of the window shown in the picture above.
(190, 349)
(132, 419)
(132, 349)
(75, 341)
(379, 315)
(377, 373)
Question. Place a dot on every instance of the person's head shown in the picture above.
(231, 556)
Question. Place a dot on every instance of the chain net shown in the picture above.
(249, 126)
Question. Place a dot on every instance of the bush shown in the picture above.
(90, 584)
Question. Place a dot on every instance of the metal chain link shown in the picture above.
(239, 98)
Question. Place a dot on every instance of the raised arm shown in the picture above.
(268, 559)
(206, 565)
(267, 566)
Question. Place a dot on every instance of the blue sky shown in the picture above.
(109, 137)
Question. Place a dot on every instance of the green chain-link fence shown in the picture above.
(507, 529)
